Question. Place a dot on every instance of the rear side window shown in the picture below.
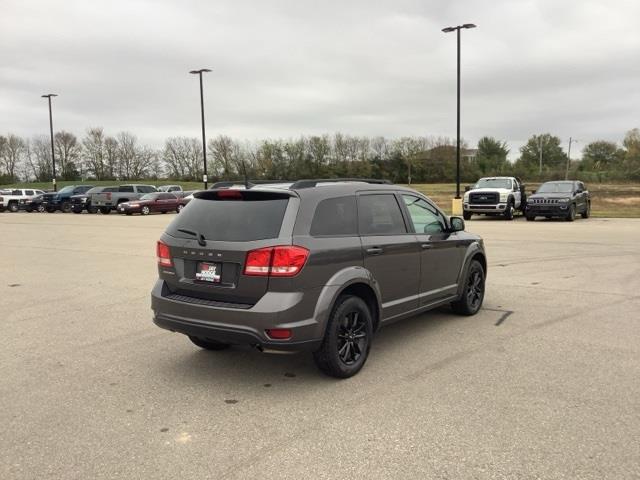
(28, 192)
(231, 220)
(335, 217)
(380, 215)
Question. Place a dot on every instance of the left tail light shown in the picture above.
(164, 254)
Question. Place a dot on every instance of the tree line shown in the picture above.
(99, 156)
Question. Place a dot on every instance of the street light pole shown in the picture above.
(204, 138)
(566, 174)
(540, 152)
(457, 204)
(53, 155)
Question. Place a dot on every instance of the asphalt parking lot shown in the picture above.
(542, 383)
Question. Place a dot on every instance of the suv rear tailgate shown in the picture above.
(211, 237)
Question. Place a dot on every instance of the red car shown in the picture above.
(151, 202)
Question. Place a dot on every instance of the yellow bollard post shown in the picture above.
(456, 207)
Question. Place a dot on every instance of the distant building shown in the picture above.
(469, 154)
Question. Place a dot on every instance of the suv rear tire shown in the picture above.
(347, 339)
(473, 294)
(209, 344)
(13, 207)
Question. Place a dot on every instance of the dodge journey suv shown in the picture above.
(312, 265)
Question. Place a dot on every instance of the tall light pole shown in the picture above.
(204, 138)
(458, 204)
(540, 152)
(53, 155)
(566, 174)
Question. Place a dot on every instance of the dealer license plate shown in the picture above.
(208, 272)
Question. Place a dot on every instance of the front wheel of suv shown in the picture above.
(209, 344)
(347, 339)
(473, 293)
(587, 211)
(466, 215)
(571, 216)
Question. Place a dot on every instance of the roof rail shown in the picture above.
(310, 183)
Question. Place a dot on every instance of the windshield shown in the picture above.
(149, 196)
(556, 187)
(493, 183)
(68, 189)
(232, 220)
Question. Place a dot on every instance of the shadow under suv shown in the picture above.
(317, 266)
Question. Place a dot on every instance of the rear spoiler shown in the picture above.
(227, 194)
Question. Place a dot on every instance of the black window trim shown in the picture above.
(395, 194)
(405, 211)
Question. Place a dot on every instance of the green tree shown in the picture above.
(601, 155)
(492, 156)
(632, 155)
(553, 157)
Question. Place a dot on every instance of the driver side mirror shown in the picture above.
(467, 188)
(533, 192)
(457, 224)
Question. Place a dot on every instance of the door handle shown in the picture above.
(426, 246)
(374, 250)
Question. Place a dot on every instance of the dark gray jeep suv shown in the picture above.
(313, 265)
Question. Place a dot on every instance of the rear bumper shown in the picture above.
(244, 326)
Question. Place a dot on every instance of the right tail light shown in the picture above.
(280, 261)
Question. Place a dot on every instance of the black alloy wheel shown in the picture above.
(571, 216)
(352, 338)
(347, 339)
(473, 293)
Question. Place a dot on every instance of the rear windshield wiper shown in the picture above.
(201, 240)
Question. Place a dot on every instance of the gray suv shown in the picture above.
(313, 265)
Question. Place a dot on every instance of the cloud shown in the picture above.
(286, 68)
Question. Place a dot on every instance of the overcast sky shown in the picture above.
(286, 68)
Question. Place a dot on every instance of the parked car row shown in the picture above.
(125, 199)
(504, 196)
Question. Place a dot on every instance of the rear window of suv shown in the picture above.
(232, 220)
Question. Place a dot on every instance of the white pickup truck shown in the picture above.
(11, 201)
(495, 196)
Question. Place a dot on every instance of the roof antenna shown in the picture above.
(246, 178)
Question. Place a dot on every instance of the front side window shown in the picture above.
(335, 217)
(425, 218)
(380, 214)
(126, 188)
